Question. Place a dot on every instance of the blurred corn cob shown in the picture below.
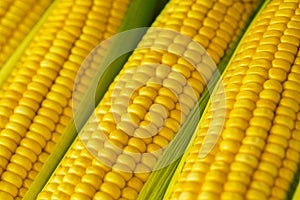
(16, 20)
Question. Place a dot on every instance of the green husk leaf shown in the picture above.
(294, 190)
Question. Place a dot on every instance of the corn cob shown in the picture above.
(258, 153)
(153, 107)
(16, 20)
(36, 103)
